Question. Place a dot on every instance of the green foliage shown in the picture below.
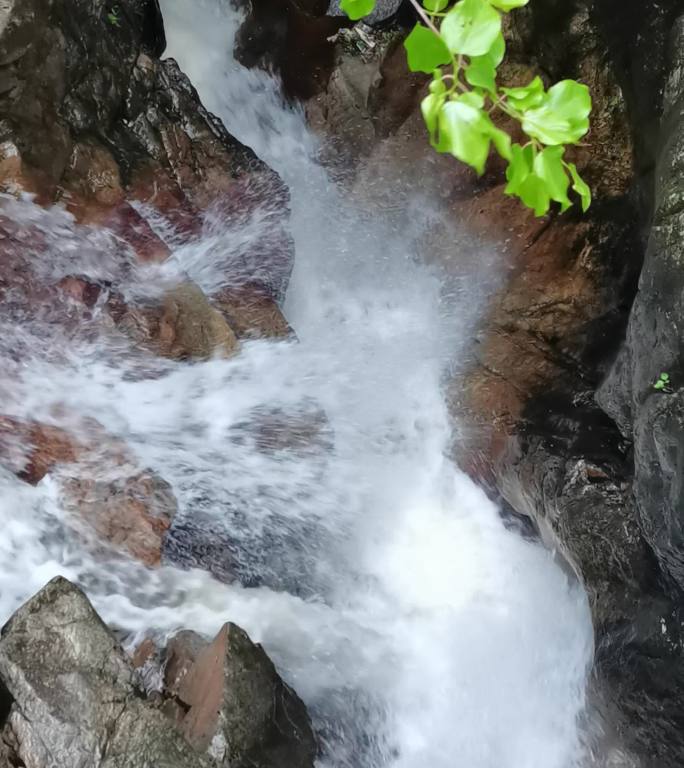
(113, 17)
(462, 46)
(663, 382)
(357, 9)
(471, 28)
(425, 50)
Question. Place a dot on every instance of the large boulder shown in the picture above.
(240, 710)
(654, 419)
(291, 37)
(101, 124)
(71, 698)
(75, 697)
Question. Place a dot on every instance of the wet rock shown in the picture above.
(181, 654)
(101, 122)
(655, 419)
(101, 483)
(240, 710)
(252, 313)
(144, 654)
(81, 290)
(190, 328)
(202, 541)
(369, 94)
(76, 697)
(31, 450)
(291, 38)
(133, 513)
(182, 325)
(302, 430)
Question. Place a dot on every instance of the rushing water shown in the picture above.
(419, 630)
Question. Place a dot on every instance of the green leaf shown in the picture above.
(534, 193)
(461, 133)
(357, 9)
(580, 186)
(659, 384)
(425, 50)
(471, 27)
(435, 6)
(548, 166)
(519, 167)
(524, 183)
(527, 96)
(501, 140)
(562, 115)
(481, 71)
(472, 98)
(437, 83)
(665, 377)
(430, 106)
(498, 50)
(508, 5)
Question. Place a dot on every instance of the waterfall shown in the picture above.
(420, 631)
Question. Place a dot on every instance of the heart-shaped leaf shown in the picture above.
(425, 50)
(471, 27)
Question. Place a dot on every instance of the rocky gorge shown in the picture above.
(225, 396)
(559, 415)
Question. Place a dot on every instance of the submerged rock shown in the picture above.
(132, 512)
(252, 312)
(100, 481)
(31, 450)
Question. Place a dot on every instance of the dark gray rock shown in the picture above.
(654, 419)
(76, 700)
(579, 492)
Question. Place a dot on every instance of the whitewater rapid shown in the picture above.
(420, 631)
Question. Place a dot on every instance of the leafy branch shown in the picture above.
(462, 47)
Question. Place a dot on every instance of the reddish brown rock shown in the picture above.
(252, 313)
(144, 653)
(181, 654)
(129, 509)
(31, 450)
(129, 225)
(133, 512)
(81, 290)
(149, 138)
(93, 174)
(241, 711)
(183, 324)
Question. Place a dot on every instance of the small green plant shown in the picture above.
(461, 47)
(663, 383)
(113, 17)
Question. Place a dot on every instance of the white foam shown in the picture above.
(420, 631)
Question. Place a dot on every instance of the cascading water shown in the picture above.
(418, 629)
